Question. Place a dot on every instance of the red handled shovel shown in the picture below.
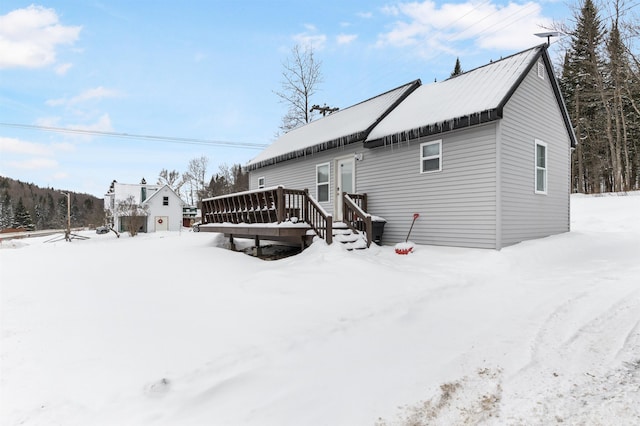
(407, 248)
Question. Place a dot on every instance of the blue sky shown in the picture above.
(207, 70)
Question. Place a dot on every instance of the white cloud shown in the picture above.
(346, 38)
(64, 146)
(18, 146)
(365, 15)
(90, 94)
(62, 68)
(35, 164)
(102, 125)
(311, 37)
(431, 28)
(29, 37)
(316, 41)
(60, 175)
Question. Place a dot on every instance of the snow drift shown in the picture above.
(174, 329)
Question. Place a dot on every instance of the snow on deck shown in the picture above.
(473, 92)
(344, 126)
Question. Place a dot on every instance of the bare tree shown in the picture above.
(300, 79)
(132, 215)
(171, 178)
(195, 177)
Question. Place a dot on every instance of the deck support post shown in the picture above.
(232, 245)
(258, 248)
(280, 213)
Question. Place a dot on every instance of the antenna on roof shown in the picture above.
(548, 35)
(323, 109)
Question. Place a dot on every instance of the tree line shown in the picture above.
(27, 206)
(196, 183)
(600, 82)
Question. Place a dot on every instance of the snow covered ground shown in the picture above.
(173, 329)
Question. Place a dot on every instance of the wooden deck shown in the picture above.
(280, 214)
(301, 234)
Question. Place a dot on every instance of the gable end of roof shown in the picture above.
(555, 85)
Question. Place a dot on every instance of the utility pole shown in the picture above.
(323, 109)
(67, 232)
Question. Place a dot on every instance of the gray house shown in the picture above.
(483, 157)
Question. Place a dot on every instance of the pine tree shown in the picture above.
(582, 72)
(457, 69)
(22, 218)
(6, 211)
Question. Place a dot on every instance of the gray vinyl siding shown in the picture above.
(484, 196)
(457, 205)
(301, 173)
(532, 113)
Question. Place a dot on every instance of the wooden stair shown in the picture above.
(349, 239)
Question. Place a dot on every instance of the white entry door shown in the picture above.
(162, 223)
(345, 182)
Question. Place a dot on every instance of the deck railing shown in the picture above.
(359, 199)
(355, 216)
(269, 205)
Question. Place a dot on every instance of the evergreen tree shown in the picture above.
(457, 69)
(6, 211)
(76, 213)
(49, 213)
(22, 218)
(240, 179)
(582, 71)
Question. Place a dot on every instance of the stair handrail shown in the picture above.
(354, 216)
(316, 216)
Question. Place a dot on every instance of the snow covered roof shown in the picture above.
(412, 110)
(122, 191)
(161, 190)
(470, 98)
(343, 127)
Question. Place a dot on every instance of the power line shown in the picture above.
(186, 141)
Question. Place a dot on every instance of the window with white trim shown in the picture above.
(431, 157)
(322, 182)
(165, 201)
(261, 182)
(541, 167)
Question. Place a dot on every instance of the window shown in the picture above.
(165, 201)
(541, 167)
(431, 157)
(261, 182)
(322, 182)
